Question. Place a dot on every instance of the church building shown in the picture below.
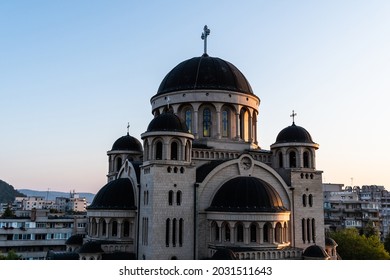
(200, 184)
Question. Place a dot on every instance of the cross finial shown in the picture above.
(293, 116)
(128, 127)
(206, 32)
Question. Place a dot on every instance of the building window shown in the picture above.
(253, 231)
(227, 232)
(170, 197)
(178, 198)
(206, 122)
(304, 198)
(225, 123)
(310, 200)
(313, 229)
(167, 226)
(181, 228)
(174, 149)
(303, 230)
(126, 229)
(118, 163)
(306, 160)
(293, 159)
(189, 120)
(114, 228)
(159, 147)
(266, 233)
(174, 232)
(280, 160)
(240, 233)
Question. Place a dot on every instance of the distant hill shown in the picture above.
(51, 195)
(8, 193)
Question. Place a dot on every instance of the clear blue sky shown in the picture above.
(73, 73)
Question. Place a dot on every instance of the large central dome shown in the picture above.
(203, 73)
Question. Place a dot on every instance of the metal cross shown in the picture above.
(293, 116)
(206, 32)
(128, 126)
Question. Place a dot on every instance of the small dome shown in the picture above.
(115, 195)
(330, 242)
(246, 194)
(204, 73)
(167, 122)
(294, 133)
(224, 254)
(91, 247)
(127, 143)
(315, 252)
(76, 239)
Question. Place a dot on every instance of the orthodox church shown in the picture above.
(199, 186)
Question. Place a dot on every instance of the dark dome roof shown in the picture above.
(127, 143)
(91, 247)
(115, 195)
(76, 239)
(224, 254)
(246, 194)
(167, 122)
(204, 73)
(330, 242)
(294, 133)
(316, 252)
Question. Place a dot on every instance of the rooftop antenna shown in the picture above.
(206, 32)
(293, 116)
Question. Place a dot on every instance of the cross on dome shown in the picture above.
(293, 116)
(206, 32)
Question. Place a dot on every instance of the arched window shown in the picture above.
(304, 198)
(310, 200)
(253, 230)
(215, 228)
(206, 122)
(167, 226)
(293, 159)
(118, 163)
(227, 232)
(278, 233)
(225, 123)
(178, 198)
(181, 228)
(244, 122)
(159, 149)
(309, 237)
(114, 228)
(104, 227)
(266, 233)
(240, 233)
(170, 197)
(126, 229)
(303, 231)
(280, 160)
(313, 229)
(188, 118)
(174, 151)
(306, 160)
(174, 232)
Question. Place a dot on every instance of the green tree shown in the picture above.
(8, 213)
(11, 256)
(370, 230)
(353, 246)
(387, 242)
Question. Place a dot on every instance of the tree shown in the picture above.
(387, 242)
(353, 246)
(8, 213)
(11, 256)
(370, 230)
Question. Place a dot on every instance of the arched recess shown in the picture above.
(207, 115)
(244, 124)
(227, 121)
(158, 149)
(292, 158)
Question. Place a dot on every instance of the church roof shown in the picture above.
(204, 73)
(127, 143)
(315, 252)
(115, 195)
(294, 133)
(91, 247)
(76, 239)
(167, 122)
(246, 194)
(203, 170)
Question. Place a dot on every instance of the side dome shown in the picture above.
(204, 73)
(115, 195)
(127, 143)
(315, 252)
(246, 194)
(167, 122)
(294, 133)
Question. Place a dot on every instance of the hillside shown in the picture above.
(8, 193)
